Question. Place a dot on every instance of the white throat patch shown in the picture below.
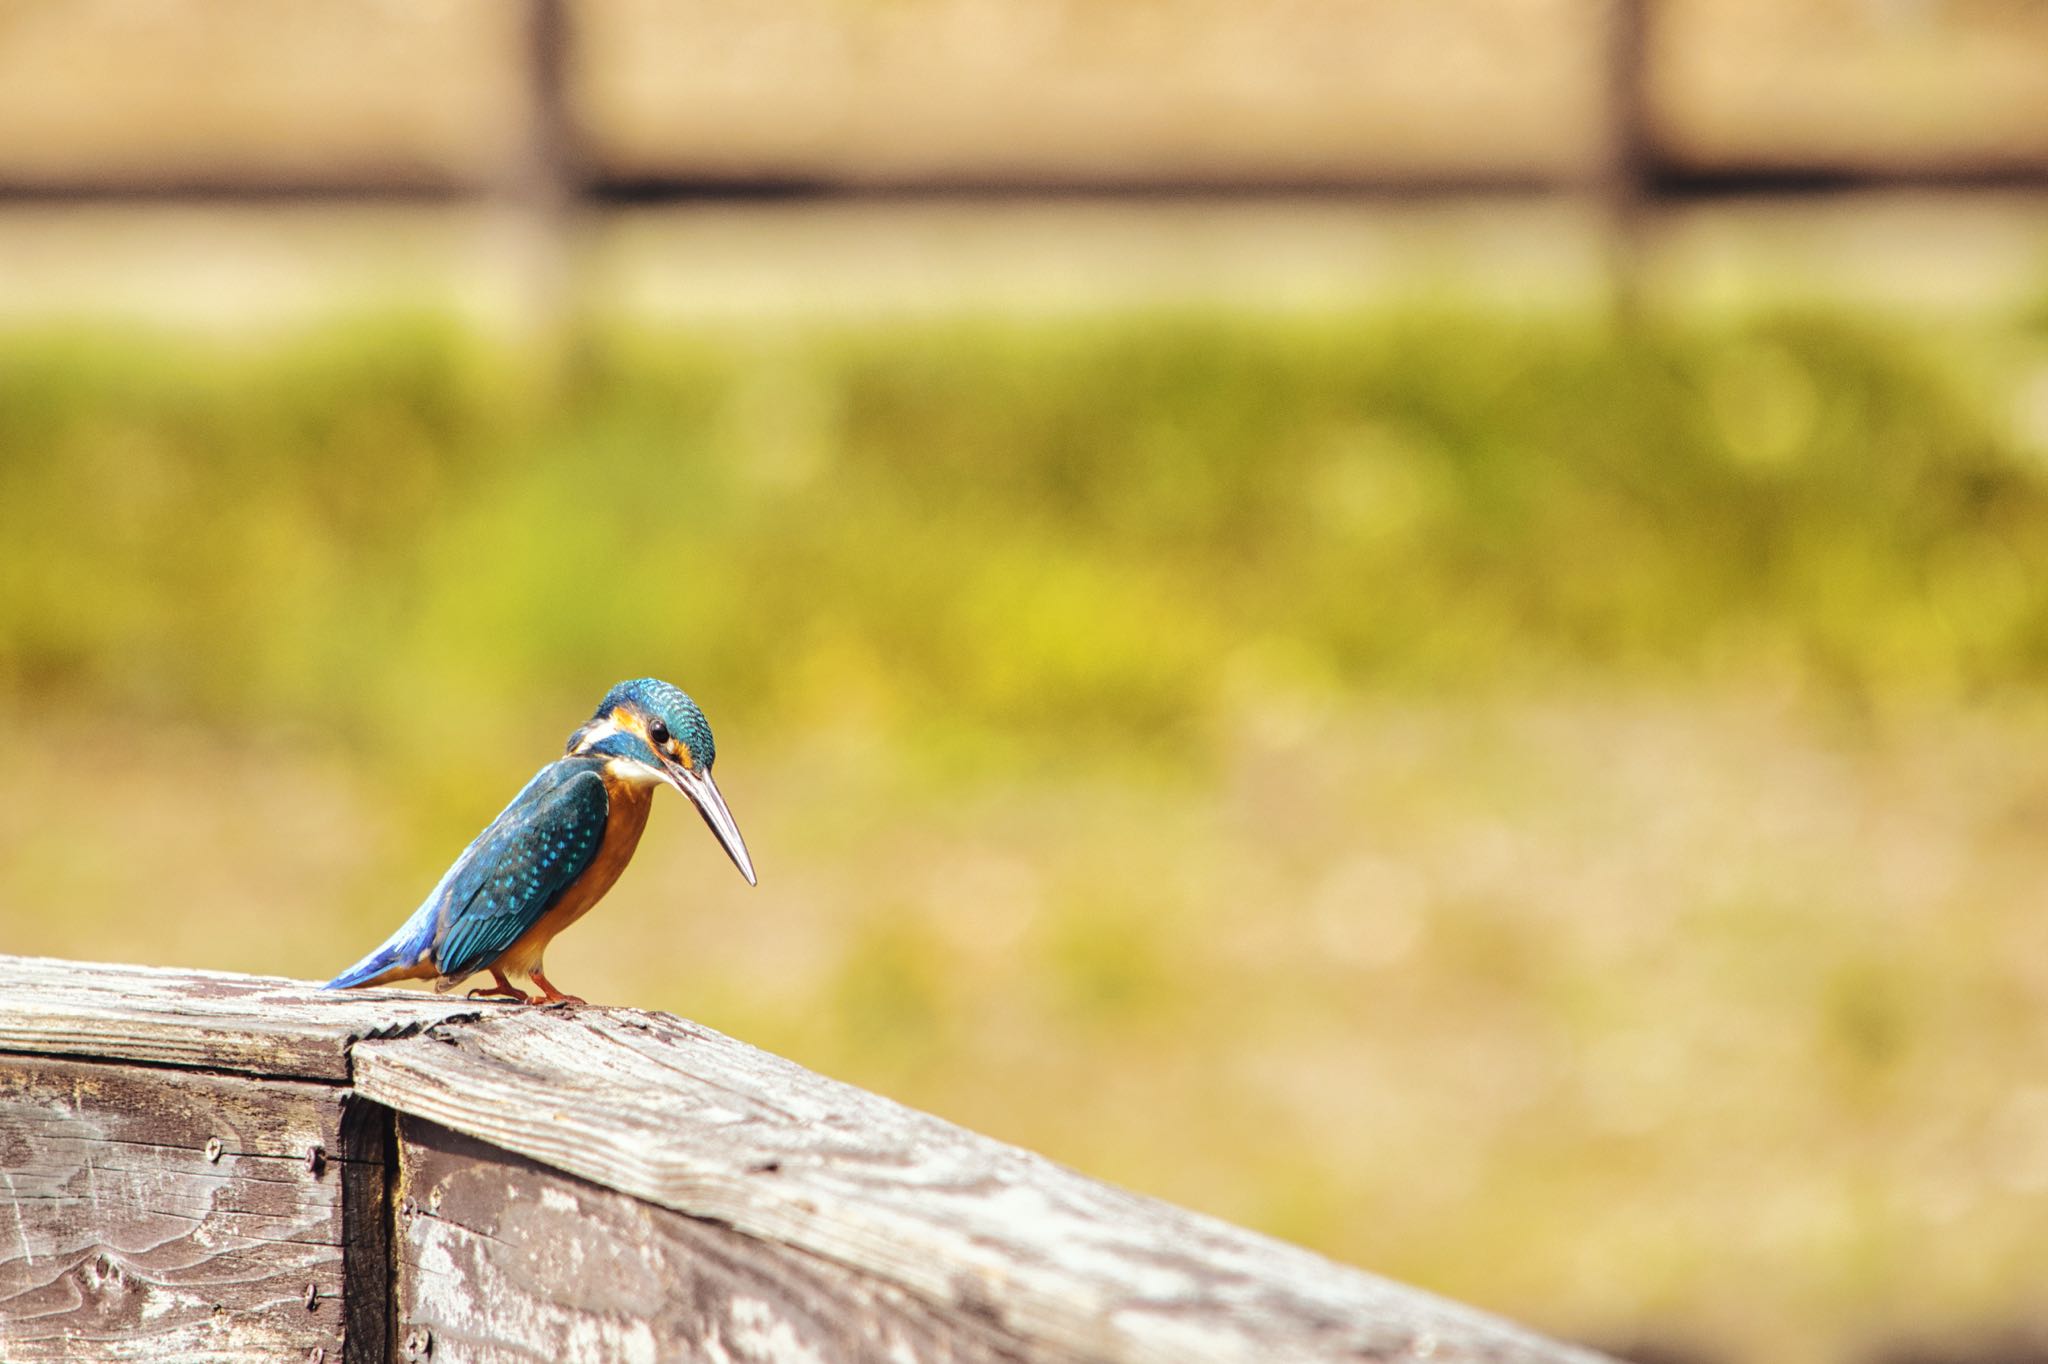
(633, 773)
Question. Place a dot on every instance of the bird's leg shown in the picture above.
(501, 988)
(548, 993)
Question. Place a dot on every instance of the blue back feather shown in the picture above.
(505, 880)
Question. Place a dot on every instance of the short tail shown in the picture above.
(398, 957)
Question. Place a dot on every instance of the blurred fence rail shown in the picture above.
(208, 1166)
(630, 97)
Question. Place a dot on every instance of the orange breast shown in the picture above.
(624, 823)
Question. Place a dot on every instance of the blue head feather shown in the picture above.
(659, 700)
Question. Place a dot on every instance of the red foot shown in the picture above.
(549, 994)
(501, 988)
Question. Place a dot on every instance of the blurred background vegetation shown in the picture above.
(1475, 702)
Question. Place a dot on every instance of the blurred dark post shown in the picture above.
(548, 179)
(1625, 179)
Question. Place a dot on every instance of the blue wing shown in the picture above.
(522, 865)
(503, 882)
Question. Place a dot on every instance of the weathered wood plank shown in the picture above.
(669, 1111)
(261, 1025)
(156, 1214)
(503, 1261)
(366, 1178)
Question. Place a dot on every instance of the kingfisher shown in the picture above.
(557, 848)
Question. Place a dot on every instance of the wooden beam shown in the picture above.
(177, 1209)
(257, 1025)
(157, 1214)
(690, 1120)
(504, 1261)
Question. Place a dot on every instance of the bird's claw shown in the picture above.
(552, 997)
(501, 988)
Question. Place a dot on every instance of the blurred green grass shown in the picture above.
(1538, 807)
(1058, 535)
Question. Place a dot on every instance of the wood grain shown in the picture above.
(260, 1025)
(156, 1214)
(691, 1120)
(674, 1181)
(503, 1261)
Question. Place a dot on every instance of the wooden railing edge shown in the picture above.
(907, 1227)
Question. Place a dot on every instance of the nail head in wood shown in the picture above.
(316, 1159)
(213, 1150)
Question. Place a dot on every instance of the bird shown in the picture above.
(556, 849)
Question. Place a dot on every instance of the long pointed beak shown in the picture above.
(703, 793)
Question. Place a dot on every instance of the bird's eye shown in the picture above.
(659, 733)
